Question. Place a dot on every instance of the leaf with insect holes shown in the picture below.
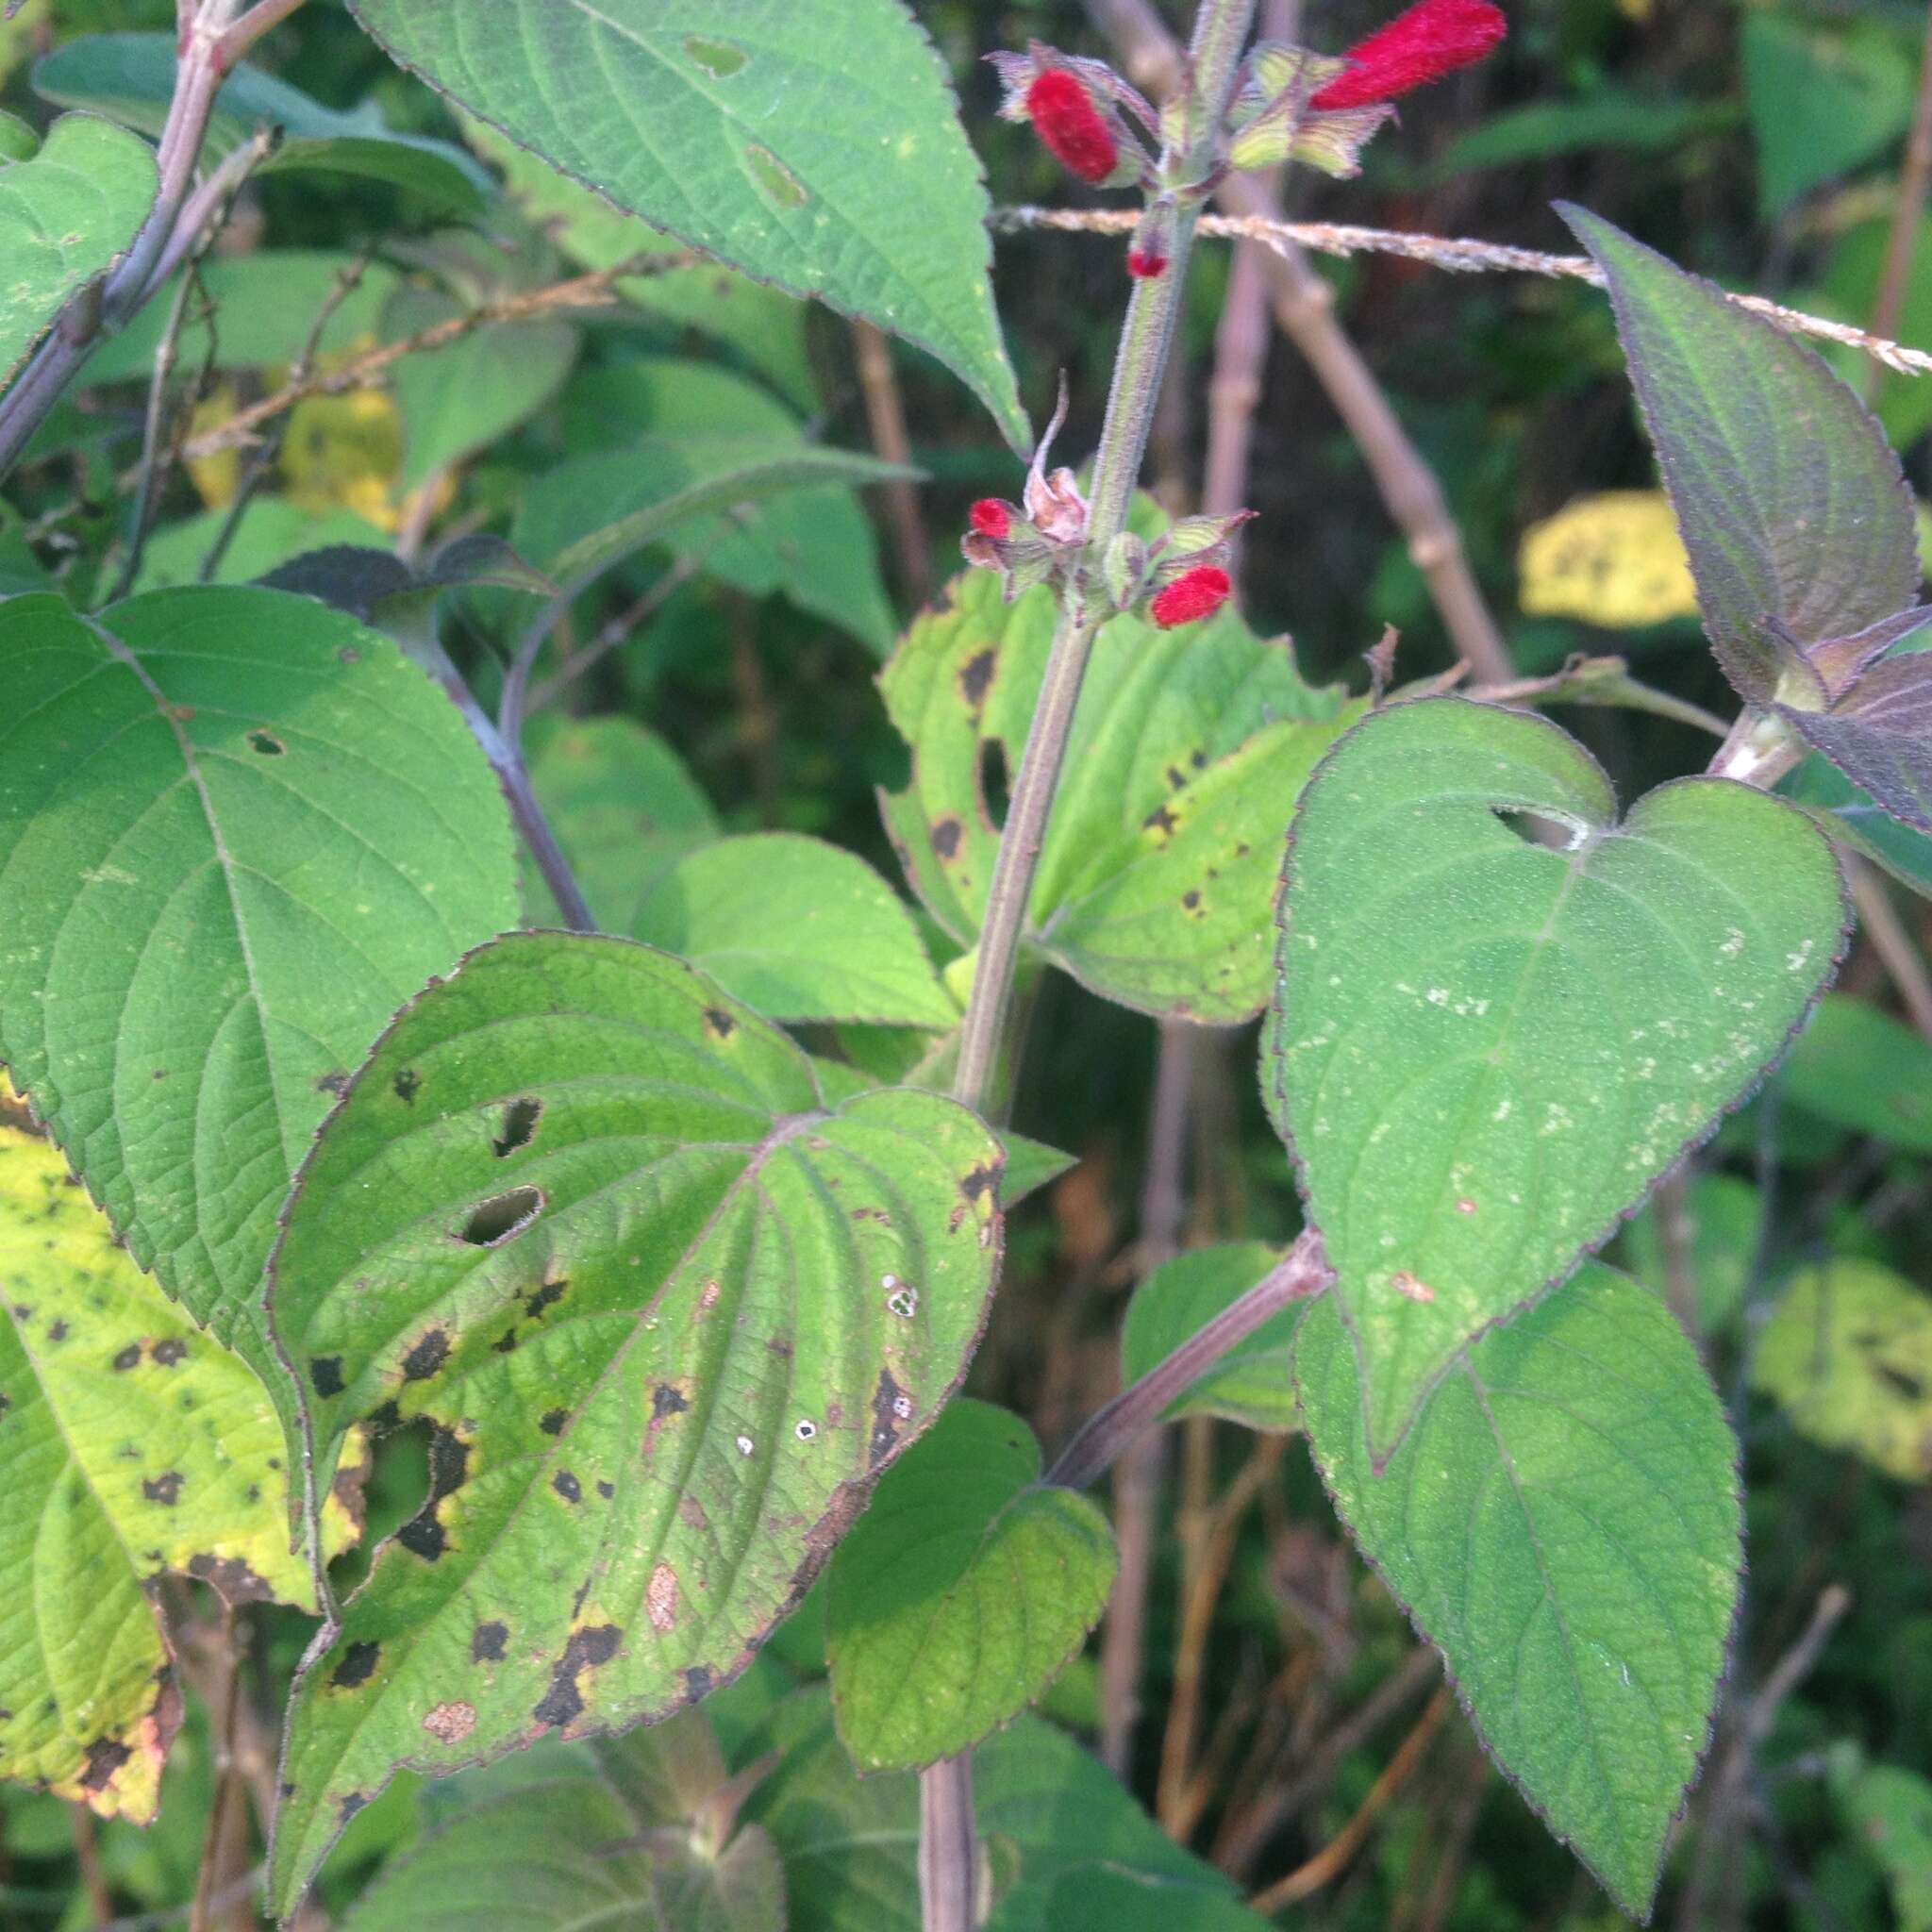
(1049, 1813)
(622, 1831)
(1563, 1523)
(237, 831)
(960, 1593)
(1252, 1384)
(1791, 503)
(666, 1315)
(818, 150)
(130, 78)
(1187, 751)
(131, 1445)
(1483, 1049)
(1848, 1352)
(67, 214)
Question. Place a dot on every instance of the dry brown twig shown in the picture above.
(1461, 255)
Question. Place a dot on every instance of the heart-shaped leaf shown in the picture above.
(67, 214)
(819, 150)
(1485, 1050)
(1791, 503)
(1563, 1523)
(1188, 751)
(237, 830)
(666, 1314)
(961, 1592)
(131, 1445)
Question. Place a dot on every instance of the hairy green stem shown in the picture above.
(947, 1862)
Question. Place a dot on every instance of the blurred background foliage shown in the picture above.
(1759, 143)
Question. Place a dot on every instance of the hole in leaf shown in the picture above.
(1539, 828)
(719, 59)
(519, 1124)
(995, 794)
(501, 1217)
(269, 748)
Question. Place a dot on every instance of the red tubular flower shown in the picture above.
(1075, 130)
(1198, 593)
(1432, 38)
(990, 518)
(1143, 264)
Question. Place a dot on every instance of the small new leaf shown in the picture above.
(961, 1593)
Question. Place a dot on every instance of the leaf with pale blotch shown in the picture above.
(1563, 1523)
(797, 928)
(67, 214)
(237, 831)
(1848, 1352)
(1791, 504)
(1881, 736)
(1187, 751)
(618, 1832)
(1252, 1383)
(1484, 1049)
(1614, 559)
(131, 1445)
(666, 1314)
(819, 151)
(961, 1592)
(1046, 1810)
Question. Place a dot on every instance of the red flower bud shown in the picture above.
(1075, 130)
(1199, 593)
(1145, 265)
(1432, 38)
(991, 518)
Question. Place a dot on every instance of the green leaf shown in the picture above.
(1045, 1809)
(623, 805)
(131, 77)
(1862, 1068)
(1890, 1809)
(589, 512)
(1724, 1219)
(67, 214)
(1563, 1525)
(1485, 1050)
(797, 929)
(265, 306)
(816, 547)
(239, 830)
(1821, 102)
(464, 396)
(1252, 1383)
(614, 1833)
(375, 585)
(272, 532)
(1848, 1352)
(1791, 503)
(1187, 753)
(640, 1282)
(131, 1446)
(1100, 1898)
(821, 152)
(1855, 817)
(764, 324)
(18, 142)
(1879, 734)
(961, 1592)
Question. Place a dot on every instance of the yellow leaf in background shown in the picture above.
(345, 453)
(217, 478)
(18, 35)
(1639, 10)
(1848, 1352)
(132, 1445)
(1613, 559)
(1926, 539)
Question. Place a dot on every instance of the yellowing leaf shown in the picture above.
(1848, 1352)
(131, 1444)
(1613, 559)
(217, 476)
(345, 452)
